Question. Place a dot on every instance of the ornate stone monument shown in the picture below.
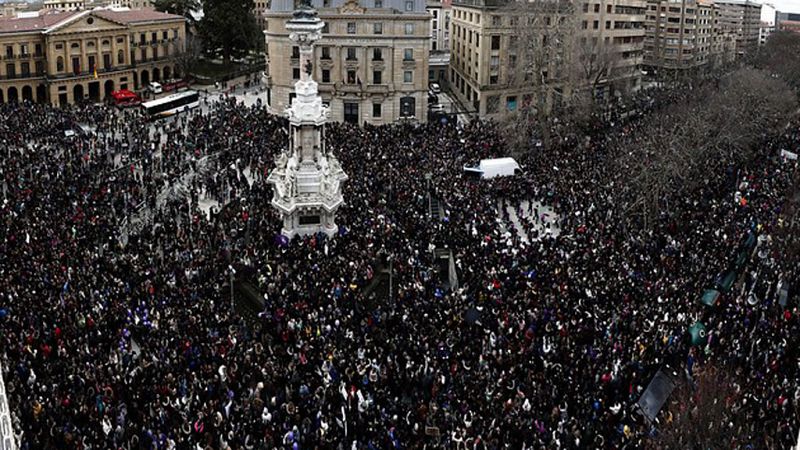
(307, 180)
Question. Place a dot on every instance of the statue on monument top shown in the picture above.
(304, 10)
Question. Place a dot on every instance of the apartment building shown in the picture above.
(765, 31)
(371, 63)
(64, 5)
(11, 9)
(440, 24)
(613, 33)
(68, 56)
(743, 18)
(132, 4)
(439, 60)
(487, 46)
(673, 29)
(260, 8)
(787, 22)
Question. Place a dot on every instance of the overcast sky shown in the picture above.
(780, 5)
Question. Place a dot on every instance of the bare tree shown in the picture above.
(706, 415)
(781, 56)
(187, 59)
(539, 50)
(721, 123)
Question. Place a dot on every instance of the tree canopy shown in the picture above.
(180, 7)
(229, 27)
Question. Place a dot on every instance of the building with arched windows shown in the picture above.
(64, 57)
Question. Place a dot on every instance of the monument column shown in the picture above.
(307, 179)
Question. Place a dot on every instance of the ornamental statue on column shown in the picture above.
(307, 179)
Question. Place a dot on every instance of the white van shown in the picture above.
(498, 167)
(156, 88)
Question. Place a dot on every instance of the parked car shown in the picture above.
(156, 88)
(434, 88)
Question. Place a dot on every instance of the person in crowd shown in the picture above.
(118, 333)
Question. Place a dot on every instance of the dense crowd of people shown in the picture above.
(547, 343)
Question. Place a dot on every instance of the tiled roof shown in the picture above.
(39, 23)
(135, 15)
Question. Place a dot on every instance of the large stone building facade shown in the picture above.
(64, 57)
(485, 51)
(371, 63)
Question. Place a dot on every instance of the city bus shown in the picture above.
(171, 104)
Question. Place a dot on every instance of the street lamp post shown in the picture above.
(428, 177)
(232, 272)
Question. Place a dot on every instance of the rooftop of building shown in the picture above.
(46, 20)
(368, 6)
(42, 21)
(751, 3)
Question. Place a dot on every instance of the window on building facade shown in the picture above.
(11, 70)
(376, 110)
(494, 79)
(497, 21)
(351, 77)
(492, 104)
(351, 53)
(597, 7)
(408, 54)
(9, 51)
(107, 61)
(511, 103)
(377, 54)
(326, 53)
(142, 39)
(296, 73)
(59, 64)
(92, 62)
(76, 65)
(495, 42)
(377, 28)
(409, 5)
(409, 29)
(25, 69)
(377, 77)
(351, 28)
(120, 57)
(379, 3)
(408, 106)
(295, 52)
(408, 76)
(326, 75)
(595, 24)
